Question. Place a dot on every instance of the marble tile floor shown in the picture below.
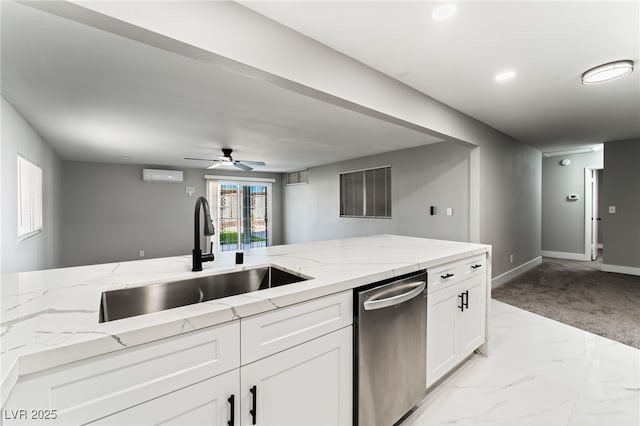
(539, 372)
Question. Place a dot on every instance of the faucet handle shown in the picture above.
(211, 247)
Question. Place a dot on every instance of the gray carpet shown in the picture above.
(579, 294)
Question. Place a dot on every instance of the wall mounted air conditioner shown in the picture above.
(157, 175)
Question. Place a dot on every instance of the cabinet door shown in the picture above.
(309, 384)
(442, 312)
(471, 321)
(204, 403)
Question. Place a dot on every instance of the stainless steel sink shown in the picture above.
(129, 302)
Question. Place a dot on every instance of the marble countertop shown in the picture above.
(50, 317)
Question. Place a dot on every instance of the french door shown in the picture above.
(241, 211)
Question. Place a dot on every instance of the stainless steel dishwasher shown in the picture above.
(390, 349)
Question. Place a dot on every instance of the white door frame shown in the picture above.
(590, 211)
(213, 186)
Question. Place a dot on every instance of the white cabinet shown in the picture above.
(309, 384)
(455, 317)
(88, 390)
(271, 332)
(299, 358)
(442, 345)
(210, 402)
(471, 329)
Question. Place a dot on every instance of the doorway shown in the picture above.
(241, 212)
(593, 231)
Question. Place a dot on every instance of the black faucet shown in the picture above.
(198, 257)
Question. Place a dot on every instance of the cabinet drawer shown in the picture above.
(452, 273)
(96, 387)
(473, 266)
(271, 332)
(442, 276)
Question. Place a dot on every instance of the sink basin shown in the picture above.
(129, 302)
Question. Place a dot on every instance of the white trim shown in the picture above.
(565, 255)
(29, 234)
(367, 169)
(571, 152)
(474, 195)
(588, 206)
(238, 178)
(518, 270)
(629, 270)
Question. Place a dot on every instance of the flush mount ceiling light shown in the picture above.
(505, 76)
(444, 11)
(607, 72)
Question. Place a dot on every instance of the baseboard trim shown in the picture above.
(629, 270)
(512, 273)
(564, 255)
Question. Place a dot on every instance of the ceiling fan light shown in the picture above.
(607, 72)
(214, 165)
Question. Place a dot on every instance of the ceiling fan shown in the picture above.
(226, 159)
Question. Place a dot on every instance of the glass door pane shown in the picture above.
(229, 217)
(254, 208)
(243, 216)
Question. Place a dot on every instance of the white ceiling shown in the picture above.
(95, 96)
(549, 44)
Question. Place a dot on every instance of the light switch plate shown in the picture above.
(612, 209)
(449, 211)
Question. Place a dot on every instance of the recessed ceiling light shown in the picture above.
(505, 76)
(124, 157)
(607, 72)
(444, 11)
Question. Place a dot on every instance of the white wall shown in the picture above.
(435, 175)
(42, 250)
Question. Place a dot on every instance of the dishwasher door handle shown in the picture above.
(418, 288)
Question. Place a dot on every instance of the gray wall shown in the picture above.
(110, 214)
(40, 251)
(435, 174)
(562, 220)
(510, 199)
(438, 174)
(622, 189)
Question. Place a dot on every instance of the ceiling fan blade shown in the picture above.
(255, 163)
(200, 159)
(214, 165)
(242, 166)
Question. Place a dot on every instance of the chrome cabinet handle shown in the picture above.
(417, 288)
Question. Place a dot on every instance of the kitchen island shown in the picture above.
(50, 318)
